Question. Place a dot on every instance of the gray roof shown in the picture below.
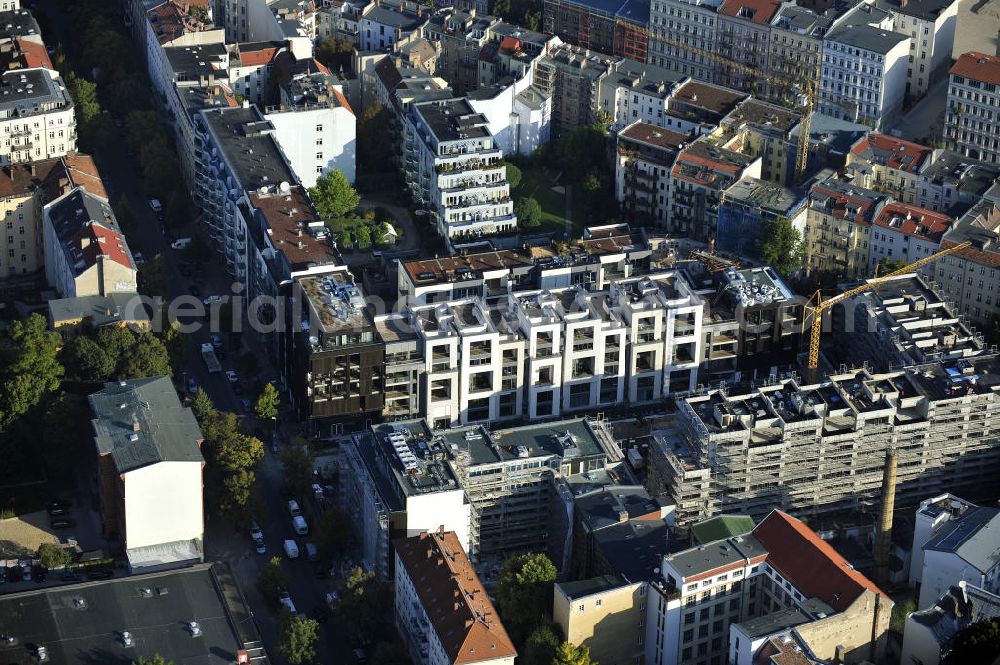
(583, 588)
(27, 92)
(452, 120)
(927, 10)
(75, 635)
(539, 440)
(245, 138)
(75, 213)
(634, 549)
(958, 608)
(430, 472)
(802, 21)
(606, 506)
(405, 21)
(18, 23)
(98, 310)
(167, 431)
(190, 63)
(764, 195)
(974, 537)
(710, 556)
(773, 622)
(866, 37)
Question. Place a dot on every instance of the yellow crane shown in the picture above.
(805, 89)
(823, 305)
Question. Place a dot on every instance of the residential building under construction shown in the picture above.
(817, 449)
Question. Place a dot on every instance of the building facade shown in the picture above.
(970, 124)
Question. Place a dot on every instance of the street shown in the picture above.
(924, 122)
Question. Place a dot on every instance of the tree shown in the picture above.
(154, 276)
(390, 653)
(298, 463)
(175, 342)
(375, 148)
(540, 647)
(298, 639)
(886, 266)
(346, 240)
(126, 220)
(271, 581)
(202, 406)
(363, 605)
(780, 245)
(87, 361)
(333, 196)
(978, 643)
(514, 176)
(266, 406)
(583, 150)
(51, 555)
(229, 448)
(529, 212)
(899, 613)
(29, 368)
(570, 654)
(524, 593)
(333, 534)
(362, 237)
(335, 53)
(238, 500)
(147, 356)
(155, 659)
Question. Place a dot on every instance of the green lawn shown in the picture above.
(538, 182)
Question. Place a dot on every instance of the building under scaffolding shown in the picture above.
(817, 450)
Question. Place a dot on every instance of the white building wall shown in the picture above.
(429, 512)
(533, 126)
(943, 570)
(163, 504)
(919, 644)
(299, 133)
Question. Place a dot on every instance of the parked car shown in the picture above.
(156, 206)
(26, 572)
(286, 600)
(255, 531)
(211, 300)
(217, 342)
(293, 508)
(300, 526)
(3, 575)
(291, 549)
(62, 523)
(57, 507)
(311, 552)
(317, 491)
(245, 405)
(192, 385)
(180, 243)
(232, 377)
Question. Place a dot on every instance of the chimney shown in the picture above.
(903, 3)
(883, 533)
(135, 424)
(839, 654)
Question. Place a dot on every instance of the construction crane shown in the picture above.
(805, 90)
(713, 262)
(823, 305)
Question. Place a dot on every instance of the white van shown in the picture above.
(291, 549)
(293, 508)
(181, 243)
(299, 523)
(286, 600)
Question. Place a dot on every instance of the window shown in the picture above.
(580, 608)
(319, 128)
(319, 141)
(598, 602)
(319, 155)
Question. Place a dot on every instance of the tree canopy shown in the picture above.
(363, 605)
(978, 643)
(115, 353)
(266, 406)
(333, 196)
(155, 659)
(540, 647)
(524, 593)
(29, 367)
(298, 639)
(271, 581)
(529, 212)
(514, 175)
(571, 654)
(780, 245)
(51, 555)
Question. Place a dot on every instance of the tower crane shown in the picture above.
(821, 305)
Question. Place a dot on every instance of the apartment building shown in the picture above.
(646, 153)
(697, 108)
(970, 123)
(508, 476)
(904, 322)
(759, 129)
(962, 549)
(906, 233)
(606, 614)
(750, 203)
(838, 227)
(604, 254)
(888, 164)
(462, 35)
(818, 449)
(404, 367)
(690, 22)
(699, 176)
(315, 127)
(382, 25)
(250, 65)
(36, 115)
(620, 30)
(25, 189)
(149, 468)
(518, 115)
(953, 183)
(398, 484)
(338, 360)
(929, 632)
(85, 250)
(742, 35)
(778, 589)
(931, 26)
(863, 70)
(569, 75)
(967, 277)
(796, 46)
(452, 165)
(635, 92)
(174, 24)
(442, 610)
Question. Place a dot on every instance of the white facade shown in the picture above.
(972, 119)
(454, 166)
(163, 504)
(863, 70)
(692, 22)
(930, 517)
(517, 115)
(317, 141)
(38, 124)
(931, 42)
(946, 569)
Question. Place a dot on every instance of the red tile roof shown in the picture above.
(97, 239)
(509, 45)
(31, 54)
(453, 597)
(892, 152)
(755, 11)
(258, 57)
(978, 66)
(913, 221)
(810, 563)
(653, 135)
(288, 218)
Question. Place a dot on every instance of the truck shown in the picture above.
(208, 355)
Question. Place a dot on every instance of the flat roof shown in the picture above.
(98, 310)
(772, 622)
(416, 460)
(763, 194)
(722, 526)
(337, 303)
(396, 18)
(583, 588)
(190, 63)
(81, 624)
(294, 227)
(650, 134)
(761, 114)
(563, 438)
(710, 97)
(927, 10)
(866, 37)
(25, 92)
(18, 23)
(453, 120)
(711, 556)
(635, 549)
(245, 138)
